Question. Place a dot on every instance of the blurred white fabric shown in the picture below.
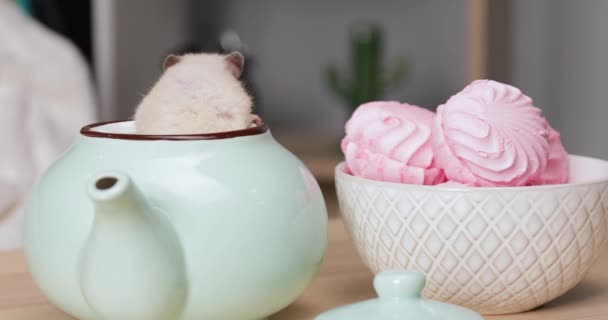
(46, 96)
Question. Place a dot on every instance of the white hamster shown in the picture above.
(197, 94)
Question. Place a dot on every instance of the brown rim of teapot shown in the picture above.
(259, 128)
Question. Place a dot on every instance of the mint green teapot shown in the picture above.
(224, 226)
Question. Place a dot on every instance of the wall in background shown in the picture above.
(293, 41)
(148, 31)
(559, 55)
(132, 39)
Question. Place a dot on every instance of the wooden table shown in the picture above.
(343, 279)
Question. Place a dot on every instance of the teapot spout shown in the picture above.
(127, 238)
(111, 192)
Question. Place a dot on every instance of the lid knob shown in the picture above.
(399, 284)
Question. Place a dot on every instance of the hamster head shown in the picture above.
(197, 93)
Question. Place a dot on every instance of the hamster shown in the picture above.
(197, 94)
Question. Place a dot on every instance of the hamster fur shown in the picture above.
(197, 94)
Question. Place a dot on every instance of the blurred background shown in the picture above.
(66, 63)
(554, 50)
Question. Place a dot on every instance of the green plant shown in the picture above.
(369, 81)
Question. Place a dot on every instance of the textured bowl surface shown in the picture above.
(494, 250)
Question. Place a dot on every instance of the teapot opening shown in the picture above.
(105, 183)
(108, 187)
(125, 130)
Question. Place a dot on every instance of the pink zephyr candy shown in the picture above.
(391, 141)
(491, 134)
(557, 170)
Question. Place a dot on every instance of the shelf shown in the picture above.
(320, 153)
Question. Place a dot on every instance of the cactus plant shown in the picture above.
(369, 80)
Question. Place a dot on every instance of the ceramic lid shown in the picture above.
(399, 297)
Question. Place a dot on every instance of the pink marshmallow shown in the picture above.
(491, 134)
(557, 170)
(391, 141)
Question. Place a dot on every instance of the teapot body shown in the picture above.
(249, 217)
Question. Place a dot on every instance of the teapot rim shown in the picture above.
(88, 130)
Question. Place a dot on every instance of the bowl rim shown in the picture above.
(341, 175)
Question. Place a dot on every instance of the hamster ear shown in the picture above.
(171, 60)
(235, 62)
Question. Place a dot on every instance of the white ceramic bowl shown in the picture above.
(495, 250)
